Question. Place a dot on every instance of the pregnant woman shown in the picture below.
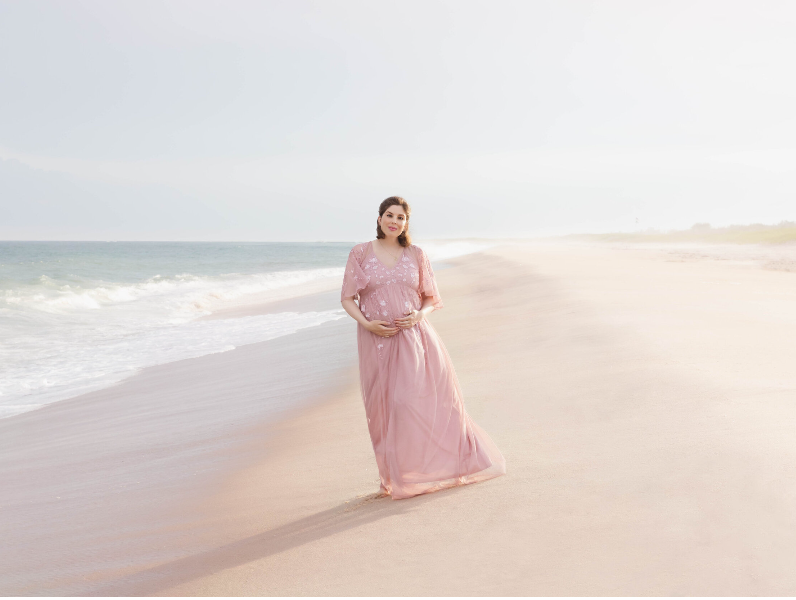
(422, 436)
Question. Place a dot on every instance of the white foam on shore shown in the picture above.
(59, 340)
(67, 368)
(184, 296)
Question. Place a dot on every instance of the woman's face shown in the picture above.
(393, 221)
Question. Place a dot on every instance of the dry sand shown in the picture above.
(644, 398)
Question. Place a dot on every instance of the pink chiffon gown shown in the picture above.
(423, 439)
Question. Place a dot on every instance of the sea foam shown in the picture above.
(67, 366)
(60, 337)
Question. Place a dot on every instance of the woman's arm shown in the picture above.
(381, 328)
(415, 316)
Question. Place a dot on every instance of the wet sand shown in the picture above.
(644, 399)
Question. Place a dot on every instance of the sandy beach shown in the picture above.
(644, 398)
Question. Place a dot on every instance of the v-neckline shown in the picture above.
(373, 249)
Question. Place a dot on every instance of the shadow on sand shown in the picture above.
(355, 512)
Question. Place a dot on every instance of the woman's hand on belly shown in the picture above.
(411, 319)
(381, 328)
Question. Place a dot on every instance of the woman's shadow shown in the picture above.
(348, 515)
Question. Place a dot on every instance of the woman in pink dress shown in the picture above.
(422, 436)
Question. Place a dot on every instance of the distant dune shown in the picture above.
(702, 232)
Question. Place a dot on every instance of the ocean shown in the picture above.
(79, 316)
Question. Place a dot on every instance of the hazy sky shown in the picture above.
(294, 119)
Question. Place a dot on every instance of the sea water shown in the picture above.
(78, 316)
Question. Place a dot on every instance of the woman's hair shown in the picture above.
(404, 239)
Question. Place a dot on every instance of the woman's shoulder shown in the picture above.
(416, 249)
(359, 250)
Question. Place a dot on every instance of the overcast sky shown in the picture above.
(292, 120)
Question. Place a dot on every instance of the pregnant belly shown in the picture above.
(389, 311)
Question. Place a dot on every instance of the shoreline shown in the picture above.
(84, 477)
(643, 402)
(285, 315)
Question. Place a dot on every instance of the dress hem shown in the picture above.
(435, 486)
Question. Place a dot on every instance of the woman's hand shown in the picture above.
(410, 320)
(381, 328)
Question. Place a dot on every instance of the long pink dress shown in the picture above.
(423, 438)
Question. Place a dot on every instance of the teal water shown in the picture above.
(137, 261)
(76, 316)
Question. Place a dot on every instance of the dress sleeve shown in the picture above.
(354, 278)
(428, 285)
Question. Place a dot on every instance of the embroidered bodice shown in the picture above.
(386, 293)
